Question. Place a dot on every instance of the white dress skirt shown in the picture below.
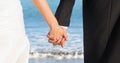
(14, 44)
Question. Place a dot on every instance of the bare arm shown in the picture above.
(57, 33)
(45, 10)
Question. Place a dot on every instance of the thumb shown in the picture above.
(50, 37)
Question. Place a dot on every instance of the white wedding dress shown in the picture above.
(14, 44)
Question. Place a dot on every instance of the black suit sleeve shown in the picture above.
(64, 11)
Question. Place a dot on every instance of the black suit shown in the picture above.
(101, 26)
(64, 12)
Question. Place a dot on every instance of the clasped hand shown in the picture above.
(57, 36)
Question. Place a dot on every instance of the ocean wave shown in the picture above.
(56, 55)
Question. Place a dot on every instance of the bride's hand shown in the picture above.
(57, 35)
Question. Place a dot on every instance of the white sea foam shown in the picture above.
(57, 55)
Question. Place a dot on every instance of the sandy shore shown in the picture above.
(52, 60)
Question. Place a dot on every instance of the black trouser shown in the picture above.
(101, 22)
(101, 25)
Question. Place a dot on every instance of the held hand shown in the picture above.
(57, 33)
(62, 41)
(57, 36)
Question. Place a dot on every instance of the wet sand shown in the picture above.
(52, 60)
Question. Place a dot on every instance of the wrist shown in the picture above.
(54, 26)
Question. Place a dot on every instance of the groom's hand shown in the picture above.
(57, 36)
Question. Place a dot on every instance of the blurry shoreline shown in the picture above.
(53, 57)
(52, 60)
(56, 55)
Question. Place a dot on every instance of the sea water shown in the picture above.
(37, 29)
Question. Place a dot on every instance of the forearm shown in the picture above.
(45, 10)
(64, 11)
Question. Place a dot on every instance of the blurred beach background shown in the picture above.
(36, 29)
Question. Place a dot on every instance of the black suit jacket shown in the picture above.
(101, 26)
